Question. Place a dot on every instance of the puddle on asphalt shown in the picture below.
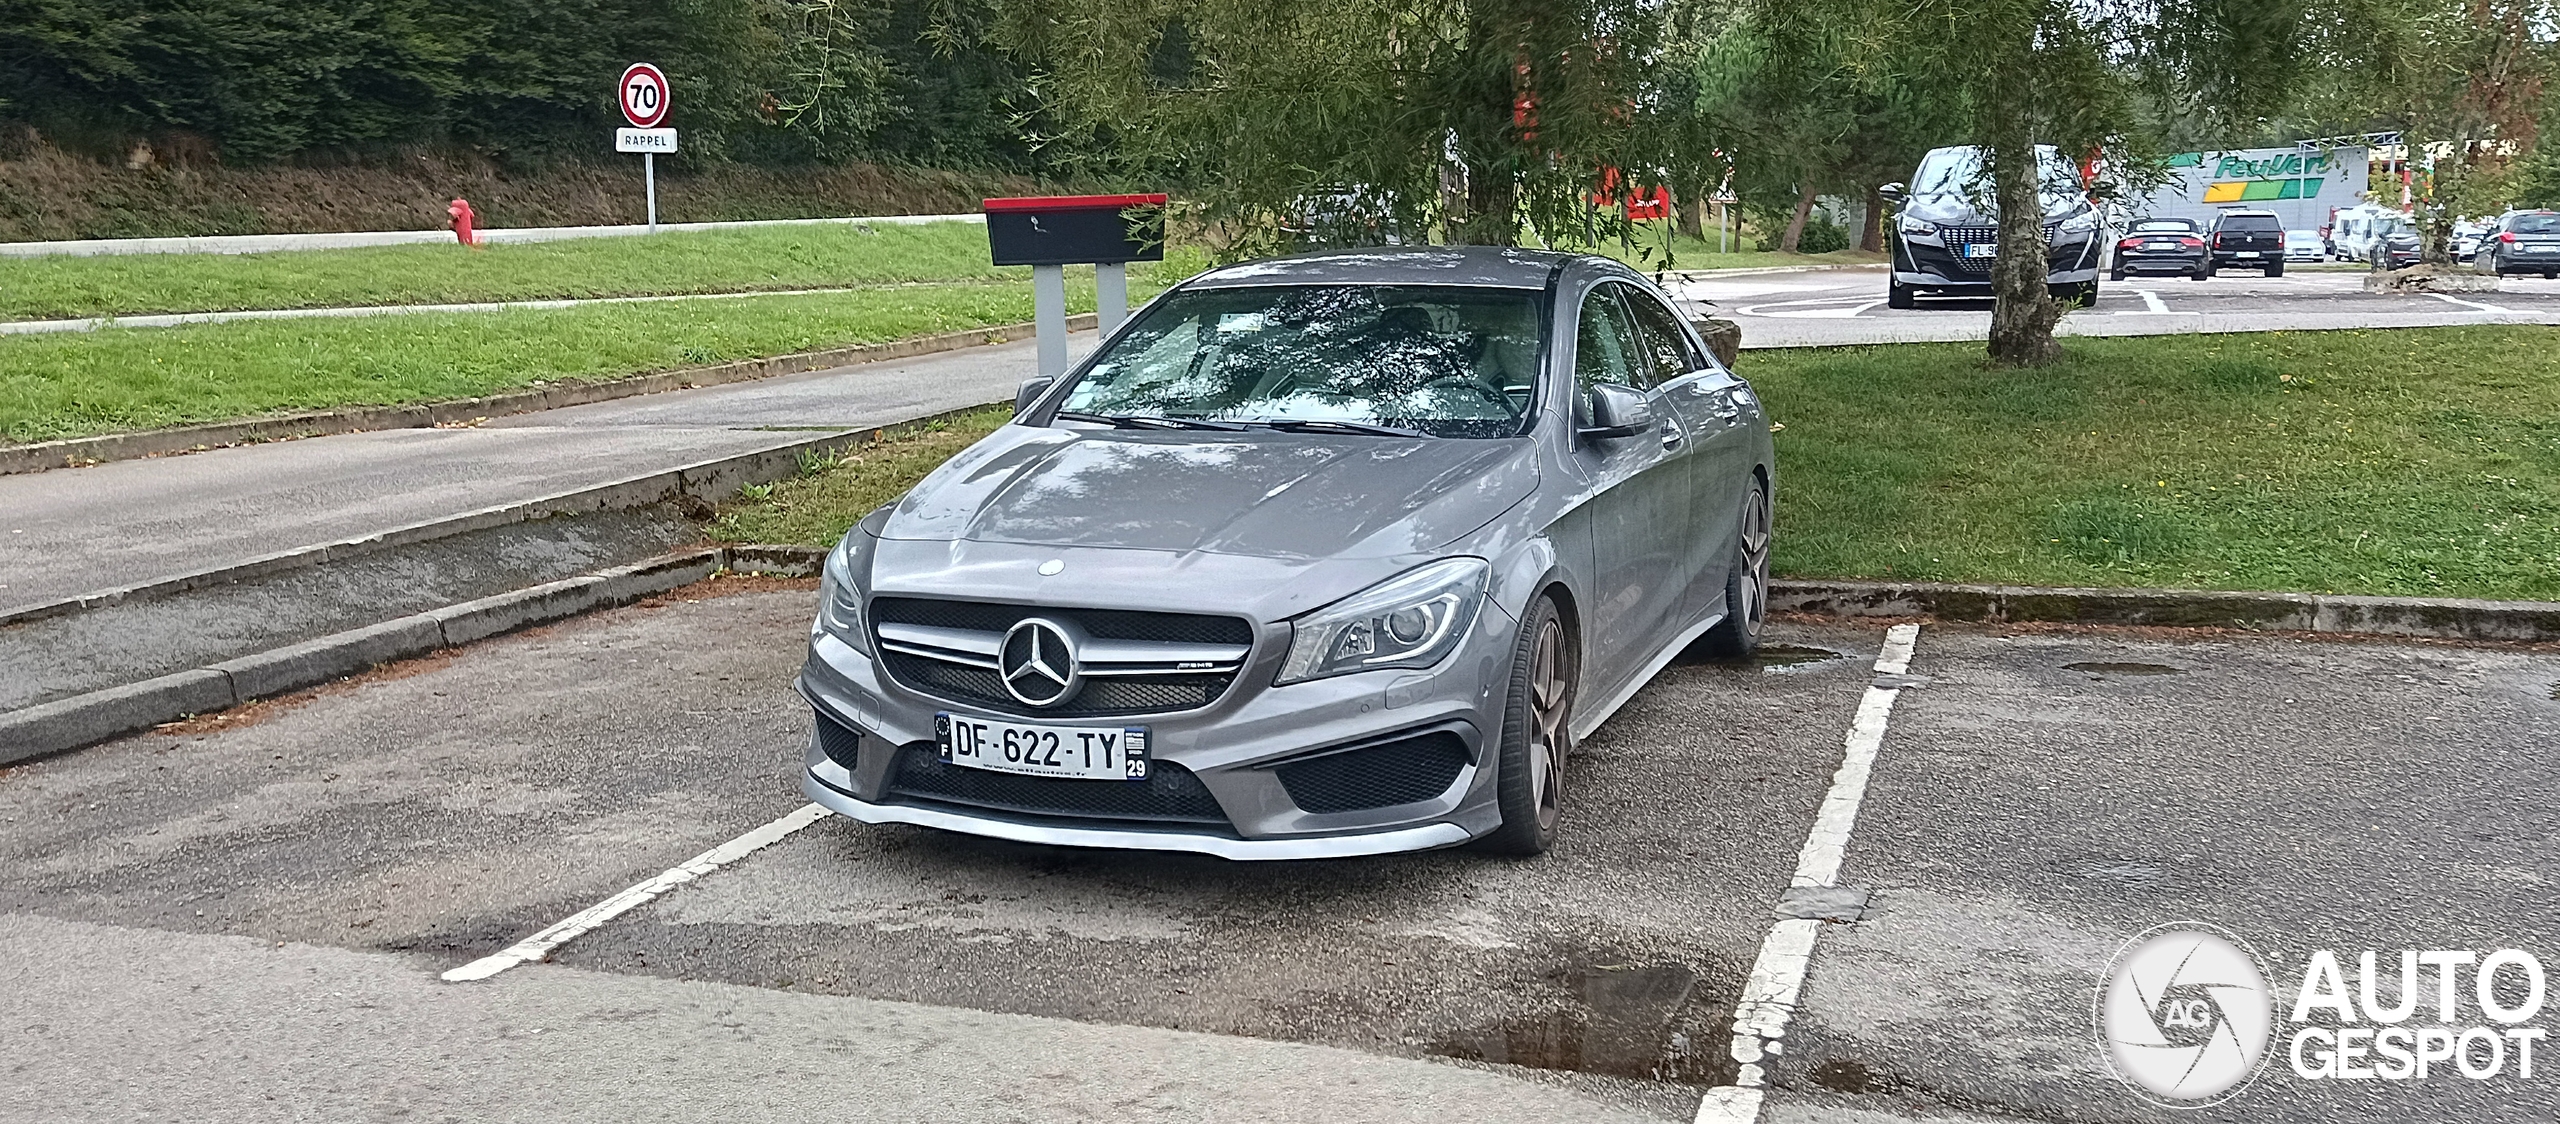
(2125, 872)
(1787, 657)
(1633, 1021)
(2102, 667)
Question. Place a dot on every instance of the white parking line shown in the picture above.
(1777, 974)
(586, 920)
(2470, 304)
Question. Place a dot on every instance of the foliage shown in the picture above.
(827, 499)
(1296, 120)
(527, 80)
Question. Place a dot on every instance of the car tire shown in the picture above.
(1897, 295)
(1746, 582)
(1537, 734)
(2548, 275)
(2115, 275)
(2275, 269)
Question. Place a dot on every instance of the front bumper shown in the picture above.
(1936, 269)
(1233, 748)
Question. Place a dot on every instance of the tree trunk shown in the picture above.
(1492, 217)
(1794, 236)
(1871, 232)
(2023, 312)
(1692, 207)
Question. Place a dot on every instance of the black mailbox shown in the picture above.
(1076, 229)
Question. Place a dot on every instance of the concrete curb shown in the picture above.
(66, 724)
(2442, 618)
(79, 452)
(703, 481)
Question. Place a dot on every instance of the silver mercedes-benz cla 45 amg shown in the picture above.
(1329, 555)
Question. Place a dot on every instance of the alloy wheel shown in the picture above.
(1755, 559)
(1550, 703)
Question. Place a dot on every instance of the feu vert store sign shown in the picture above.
(2265, 174)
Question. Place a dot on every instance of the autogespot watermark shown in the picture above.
(2187, 1018)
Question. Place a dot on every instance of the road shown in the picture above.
(70, 532)
(249, 914)
(1846, 306)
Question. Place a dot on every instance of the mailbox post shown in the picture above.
(1049, 233)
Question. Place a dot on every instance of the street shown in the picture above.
(255, 907)
(1816, 308)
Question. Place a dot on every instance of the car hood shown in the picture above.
(1258, 493)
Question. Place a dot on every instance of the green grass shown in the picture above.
(71, 385)
(2411, 462)
(2415, 462)
(724, 261)
(818, 506)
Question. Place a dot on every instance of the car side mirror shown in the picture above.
(1618, 411)
(1030, 391)
(1893, 193)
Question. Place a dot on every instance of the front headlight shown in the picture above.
(1410, 620)
(1918, 227)
(840, 597)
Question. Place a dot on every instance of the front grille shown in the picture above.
(1958, 237)
(1170, 794)
(1380, 776)
(841, 745)
(955, 661)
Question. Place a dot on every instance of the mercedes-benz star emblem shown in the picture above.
(1038, 663)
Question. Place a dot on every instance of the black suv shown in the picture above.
(2524, 242)
(2242, 238)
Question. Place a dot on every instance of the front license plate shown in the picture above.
(1083, 753)
(1981, 250)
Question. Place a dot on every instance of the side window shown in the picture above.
(1664, 342)
(1605, 347)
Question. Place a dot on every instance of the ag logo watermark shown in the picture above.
(2185, 1014)
(2186, 1018)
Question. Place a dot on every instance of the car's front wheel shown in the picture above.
(1537, 733)
(1898, 295)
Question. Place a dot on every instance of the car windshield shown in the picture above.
(1446, 361)
(1958, 171)
(2535, 224)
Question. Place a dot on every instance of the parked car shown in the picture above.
(1947, 232)
(2465, 240)
(2524, 242)
(2398, 249)
(1336, 554)
(2304, 245)
(2159, 246)
(2245, 238)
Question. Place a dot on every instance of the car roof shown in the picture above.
(1505, 267)
(2252, 212)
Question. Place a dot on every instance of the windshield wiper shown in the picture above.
(1148, 421)
(1326, 425)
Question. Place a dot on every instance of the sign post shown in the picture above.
(644, 97)
(1049, 233)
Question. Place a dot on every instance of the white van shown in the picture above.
(2355, 231)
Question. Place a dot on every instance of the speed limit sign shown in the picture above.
(644, 96)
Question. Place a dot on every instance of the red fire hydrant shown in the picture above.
(460, 209)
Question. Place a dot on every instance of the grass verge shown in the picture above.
(81, 384)
(818, 506)
(2406, 462)
(753, 259)
(2409, 462)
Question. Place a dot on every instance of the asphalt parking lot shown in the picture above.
(1846, 306)
(253, 909)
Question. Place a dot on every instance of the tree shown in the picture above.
(1464, 120)
(2010, 75)
(2463, 83)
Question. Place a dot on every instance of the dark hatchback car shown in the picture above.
(2398, 249)
(1947, 235)
(2247, 239)
(2160, 246)
(2524, 242)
